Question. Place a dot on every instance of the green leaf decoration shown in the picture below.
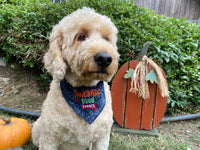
(152, 77)
(129, 73)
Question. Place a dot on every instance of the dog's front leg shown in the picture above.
(102, 143)
(48, 142)
(48, 146)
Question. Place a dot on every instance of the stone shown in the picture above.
(16, 91)
(2, 62)
(2, 94)
(4, 80)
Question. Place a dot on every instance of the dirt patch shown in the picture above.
(20, 89)
(183, 131)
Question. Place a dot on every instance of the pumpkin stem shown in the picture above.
(6, 120)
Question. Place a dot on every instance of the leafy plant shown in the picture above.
(25, 27)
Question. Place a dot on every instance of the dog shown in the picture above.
(82, 58)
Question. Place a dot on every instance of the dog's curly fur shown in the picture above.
(73, 44)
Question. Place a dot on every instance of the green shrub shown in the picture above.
(25, 28)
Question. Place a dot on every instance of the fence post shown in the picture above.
(157, 2)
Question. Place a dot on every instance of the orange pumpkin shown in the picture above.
(131, 111)
(14, 132)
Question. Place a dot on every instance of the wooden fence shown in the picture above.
(190, 9)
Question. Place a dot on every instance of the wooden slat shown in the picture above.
(156, 8)
(118, 93)
(182, 9)
(159, 113)
(152, 4)
(148, 109)
(141, 3)
(161, 9)
(149, 4)
(160, 106)
(187, 11)
(133, 106)
(136, 2)
(192, 9)
(172, 10)
(168, 8)
(177, 9)
(197, 10)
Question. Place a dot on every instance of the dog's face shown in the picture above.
(87, 43)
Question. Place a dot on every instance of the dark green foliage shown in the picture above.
(25, 28)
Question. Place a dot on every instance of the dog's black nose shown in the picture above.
(103, 59)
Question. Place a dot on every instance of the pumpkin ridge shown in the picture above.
(12, 139)
(25, 127)
(6, 138)
(21, 136)
(1, 131)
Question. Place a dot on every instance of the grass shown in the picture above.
(131, 142)
(194, 138)
(128, 142)
(163, 142)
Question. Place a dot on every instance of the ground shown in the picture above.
(184, 131)
(20, 88)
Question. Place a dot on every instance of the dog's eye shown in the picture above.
(82, 37)
(106, 38)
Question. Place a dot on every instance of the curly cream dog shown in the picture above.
(82, 51)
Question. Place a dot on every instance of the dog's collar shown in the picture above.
(88, 102)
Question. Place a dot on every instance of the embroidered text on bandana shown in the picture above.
(88, 102)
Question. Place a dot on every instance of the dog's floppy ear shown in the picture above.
(53, 59)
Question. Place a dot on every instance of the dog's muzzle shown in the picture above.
(103, 59)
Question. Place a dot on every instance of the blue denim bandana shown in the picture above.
(88, 102)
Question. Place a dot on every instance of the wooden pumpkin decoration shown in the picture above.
(14, 132)
(139, 102)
